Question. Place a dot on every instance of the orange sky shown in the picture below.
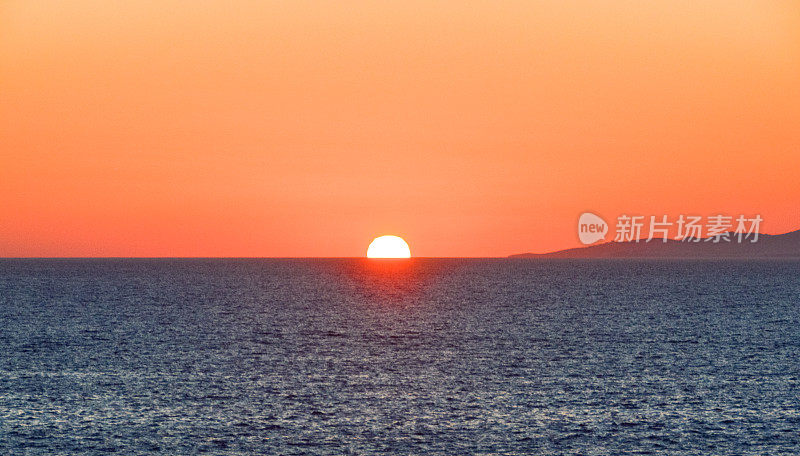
(293, 128)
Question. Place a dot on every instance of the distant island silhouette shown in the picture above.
(785, 245)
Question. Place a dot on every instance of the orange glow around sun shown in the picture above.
(388, 247)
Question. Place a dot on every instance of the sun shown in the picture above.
(388, 247)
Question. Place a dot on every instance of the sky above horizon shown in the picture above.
(477, 128)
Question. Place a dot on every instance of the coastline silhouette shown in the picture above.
(785, 245)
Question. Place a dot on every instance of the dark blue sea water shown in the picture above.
(437, 357)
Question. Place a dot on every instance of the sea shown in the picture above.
(399, 357)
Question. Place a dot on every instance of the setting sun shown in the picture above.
(388, 247)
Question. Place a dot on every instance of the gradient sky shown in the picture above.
(294, 128)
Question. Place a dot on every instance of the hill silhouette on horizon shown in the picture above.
(785, 245)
